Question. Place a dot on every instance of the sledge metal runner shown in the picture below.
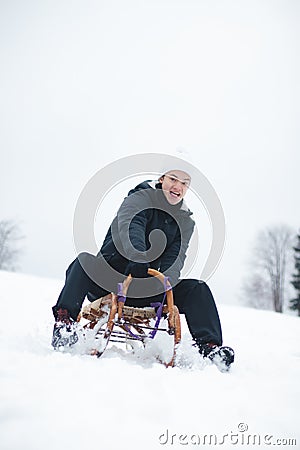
(113, 321)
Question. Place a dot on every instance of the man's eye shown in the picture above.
(172, 179)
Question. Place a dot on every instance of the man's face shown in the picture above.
(175, 183)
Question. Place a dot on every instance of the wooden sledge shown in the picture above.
(113, 321)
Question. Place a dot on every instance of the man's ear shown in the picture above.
(161, 178)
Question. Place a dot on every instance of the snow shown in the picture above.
(67, 400)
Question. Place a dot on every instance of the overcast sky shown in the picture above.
(84, 83)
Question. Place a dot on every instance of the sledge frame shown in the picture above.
(116, 322)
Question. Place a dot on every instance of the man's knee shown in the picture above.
(191, 283)
(85, 258)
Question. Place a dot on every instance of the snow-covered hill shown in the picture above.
(51, 400)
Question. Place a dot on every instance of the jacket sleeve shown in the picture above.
(172, 260)
(131, 225)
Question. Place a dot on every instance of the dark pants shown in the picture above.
(193, 298)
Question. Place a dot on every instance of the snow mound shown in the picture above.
(53, 400)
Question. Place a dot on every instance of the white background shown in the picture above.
(85, 83)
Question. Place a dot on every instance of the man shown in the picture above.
(152, 228)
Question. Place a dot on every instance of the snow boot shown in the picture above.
(221, 356)
(64, 330)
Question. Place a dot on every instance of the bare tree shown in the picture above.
(9, 251)
(266, 285)
(256, 291)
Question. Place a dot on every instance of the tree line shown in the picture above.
(275, 264)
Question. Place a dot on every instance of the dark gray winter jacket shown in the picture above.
(131, 234)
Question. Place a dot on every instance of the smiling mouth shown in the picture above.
(175, 194)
